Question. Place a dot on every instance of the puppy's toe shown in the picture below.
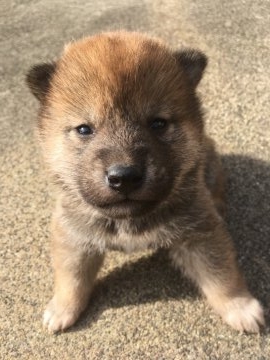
(58, 317)
(244, 314)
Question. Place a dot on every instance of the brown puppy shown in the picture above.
(123, 135)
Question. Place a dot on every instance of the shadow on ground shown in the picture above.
(152, 278)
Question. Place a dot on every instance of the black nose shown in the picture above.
(124, 178)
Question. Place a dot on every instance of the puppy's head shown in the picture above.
(120, 123)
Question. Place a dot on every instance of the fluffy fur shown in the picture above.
(138, 100)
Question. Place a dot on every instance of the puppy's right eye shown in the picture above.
(84, 130)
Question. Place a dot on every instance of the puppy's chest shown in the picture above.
(127, 237)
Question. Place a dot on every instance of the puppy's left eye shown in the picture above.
(158, 124)
(84, 130)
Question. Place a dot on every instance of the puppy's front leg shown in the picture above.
(208, 258)
(75, 272)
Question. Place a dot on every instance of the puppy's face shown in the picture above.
(120, 124)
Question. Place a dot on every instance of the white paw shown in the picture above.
(58, 317)
(244, 314)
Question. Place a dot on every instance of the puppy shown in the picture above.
(122, 133)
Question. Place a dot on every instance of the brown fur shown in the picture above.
(118, 84)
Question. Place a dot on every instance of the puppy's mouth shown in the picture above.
(125, 208)
(116, 204)
(128, 207)
(122, 202)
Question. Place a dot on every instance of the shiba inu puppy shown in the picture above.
(122, 132)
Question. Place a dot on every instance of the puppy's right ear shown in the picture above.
(38, 79)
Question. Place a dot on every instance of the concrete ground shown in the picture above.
(142, 308)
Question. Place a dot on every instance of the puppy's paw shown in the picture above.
(244, 314)
(58, 317)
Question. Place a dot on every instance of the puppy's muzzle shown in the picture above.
(123, 178)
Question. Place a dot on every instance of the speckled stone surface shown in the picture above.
(142, 308)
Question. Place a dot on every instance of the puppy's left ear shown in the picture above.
(38, 79)
(193, 62)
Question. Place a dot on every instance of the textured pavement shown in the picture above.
(142, 308)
